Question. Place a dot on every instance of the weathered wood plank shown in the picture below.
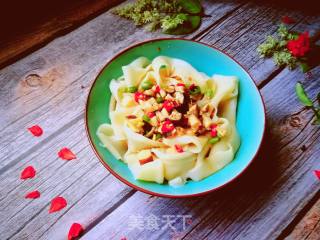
(27, 216)
(39, 88)
(50, 20)
(60, 94)
(263, 201)
(66, 96)
(51, 81)
(309, 226)
(249, 28)
(84, 182)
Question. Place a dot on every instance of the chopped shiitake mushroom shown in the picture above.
(149, 92)
(162, 93)
(194, 122)
(163, 114)
(136, 124)
(151, 132)
(150, 105)
(153, 121)
(179, 97)
(170, 89)
(169, 97)
(170, 110)
(175, 115)
(206, 120)
(207, 108)
(193, 110)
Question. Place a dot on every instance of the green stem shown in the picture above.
(316, 113)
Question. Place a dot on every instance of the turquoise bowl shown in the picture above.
(207, 59)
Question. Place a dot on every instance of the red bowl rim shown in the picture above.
(148, 191)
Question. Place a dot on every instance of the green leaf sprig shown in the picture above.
(275, 47)
(306, 101)
(172, 16)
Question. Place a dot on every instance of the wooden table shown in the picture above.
(278, 197)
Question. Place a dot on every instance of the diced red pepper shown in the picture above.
(131, 116)
(192, 86)
(157, 90)
(181, 85)
(151, 114)
(213, 125)
(214, 131)
(139, 96)
(167, 126)
(146, 160)
(178, 148)
(169, 105)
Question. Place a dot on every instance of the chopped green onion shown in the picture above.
(209, 93)
(214, 140)
(145, 118)
(145, 85)
(158, 136)
(163, 71)
(131, 89)
(195, 91)
(159, 99)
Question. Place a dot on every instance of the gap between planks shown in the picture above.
(260, 87)
(58, 131)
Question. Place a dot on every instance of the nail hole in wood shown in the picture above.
(33, 80)
(295, 122)
(303, 148)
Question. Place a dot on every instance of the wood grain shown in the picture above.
(263, 201)
(309, 226)
(56, 18)
(84, 182)
(49, 88)
(47, 96)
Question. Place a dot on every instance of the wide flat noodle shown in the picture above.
(199, 158)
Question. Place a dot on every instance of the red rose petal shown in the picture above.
(33, 195)
(66, 154)
(36, 130)
(179, 148)
(57, 204)
(287, 20)
(75, 230)
(317, 173)
(28, 172)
